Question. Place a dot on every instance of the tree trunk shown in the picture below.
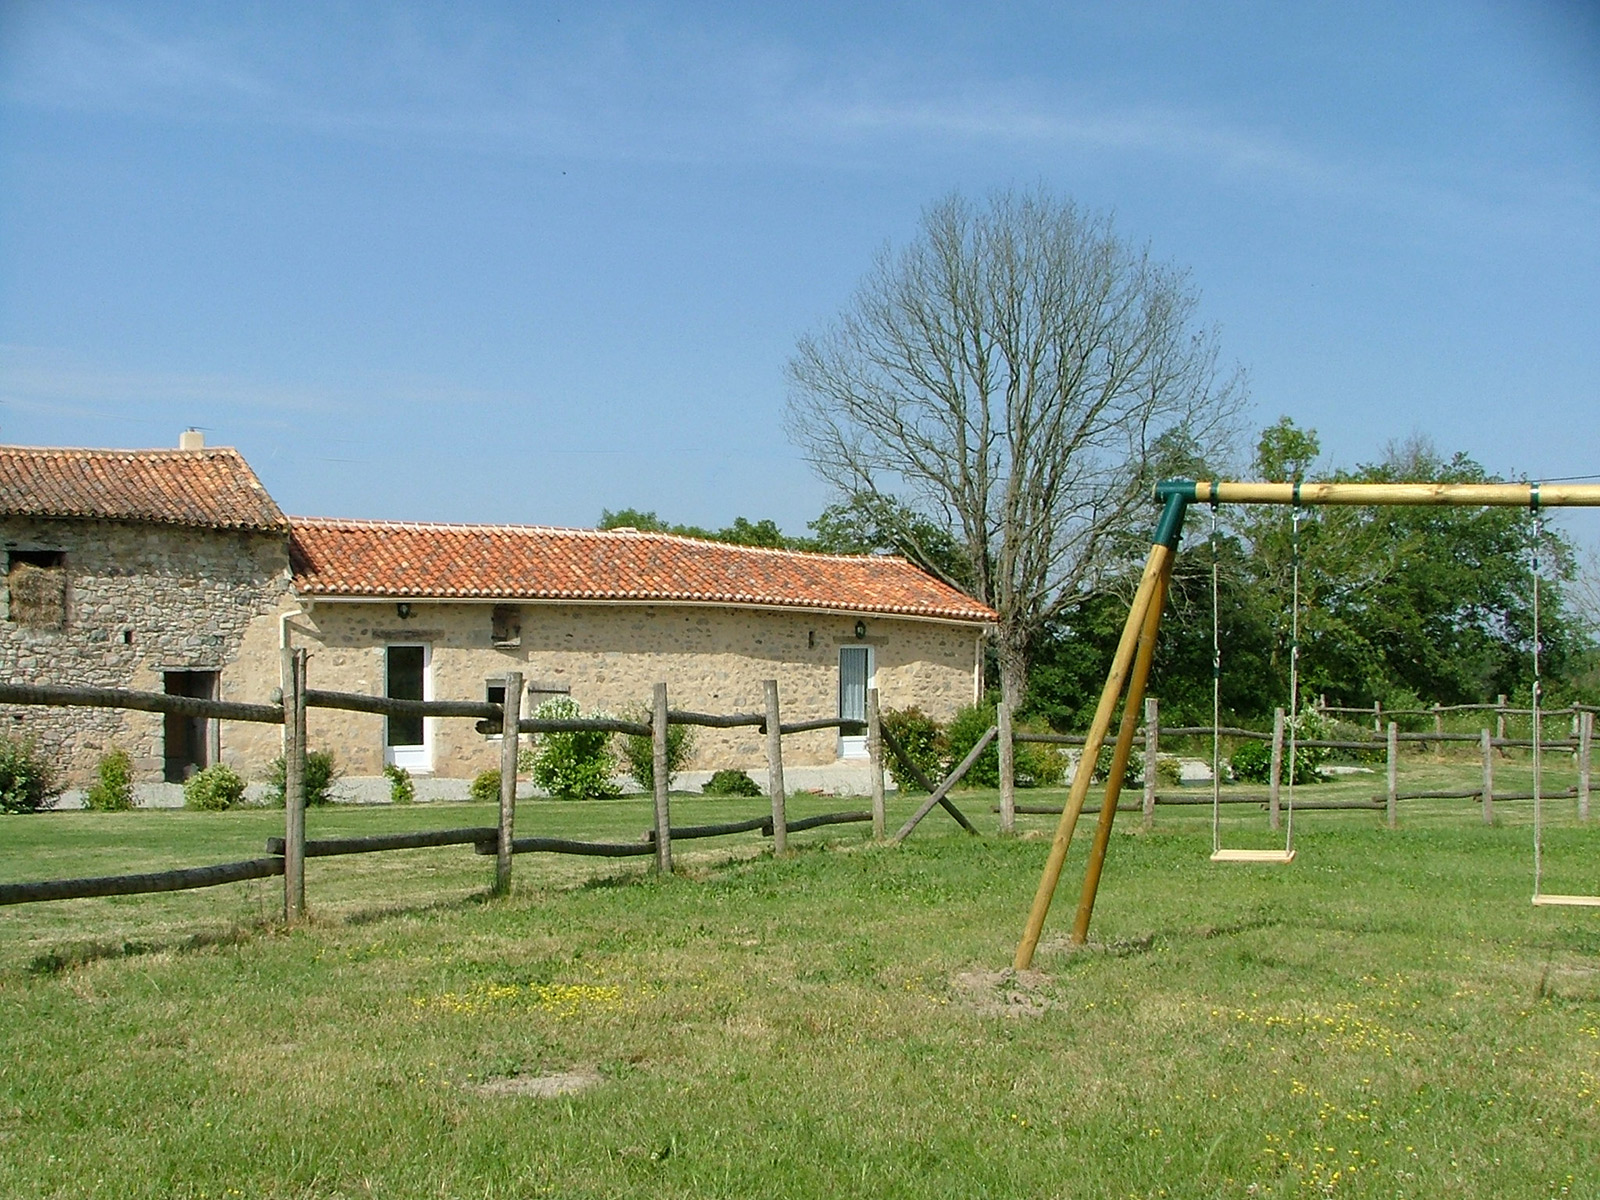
(1013, 655)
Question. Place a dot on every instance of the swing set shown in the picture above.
(1130, 665)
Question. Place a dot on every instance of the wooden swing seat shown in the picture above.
(1254, 856)
(1568, 901)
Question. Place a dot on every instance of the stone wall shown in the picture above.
(140, 600)
(609, 656)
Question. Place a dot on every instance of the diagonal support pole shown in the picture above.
(1121, 664)
(944, 787)
(1120, 756)
(921, 776)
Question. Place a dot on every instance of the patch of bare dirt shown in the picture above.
(1008, 993)
(543, 1087)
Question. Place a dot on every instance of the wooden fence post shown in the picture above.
(510, 741)
(1500, 716)
(1275, 781)
(1438, 727)
(214, 726)
(1487, 746)
(1393, 801)
(780, 825)
(1008, 769)
(294, 786)
(1585, 756)
(875, 764)
(658, 731)
(1152, 756)
(1377, 716)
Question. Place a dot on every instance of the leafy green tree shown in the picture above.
(867, 524)
(1434, 600)
(743, 532)
(1396, 602)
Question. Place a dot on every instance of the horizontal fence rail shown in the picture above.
(179, 880)
(388, 706)
(95, 697)
(471, 835)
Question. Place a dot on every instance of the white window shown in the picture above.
(855, 677)
(408, 741)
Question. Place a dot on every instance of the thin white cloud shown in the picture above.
(632, 88)
(94, 58)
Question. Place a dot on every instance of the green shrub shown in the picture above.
(1034, 764)
(401, 789)
(920, 736)
(322, 772)
(215, 789)
(29, 779)
(572, 766)
(1252, 763)
(731, 783)
(1132, 775)
(1169, 770)
(1040, 766)
(113, 789)
(485, 787)
(639, 752)
(961, 735)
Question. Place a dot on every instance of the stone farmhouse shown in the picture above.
(174, 570)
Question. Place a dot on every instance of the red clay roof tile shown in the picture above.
(212, 488)
(527, 562)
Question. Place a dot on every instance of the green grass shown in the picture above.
(1386, 1017)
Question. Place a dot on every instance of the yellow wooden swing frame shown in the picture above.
(1130, 665)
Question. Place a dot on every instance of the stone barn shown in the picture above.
(144, 569)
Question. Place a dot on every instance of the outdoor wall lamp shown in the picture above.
(861, 630)
(402, 610)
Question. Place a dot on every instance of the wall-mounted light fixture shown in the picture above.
(861, 630)
(402, 610)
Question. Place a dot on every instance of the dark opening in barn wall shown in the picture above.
(189, 741)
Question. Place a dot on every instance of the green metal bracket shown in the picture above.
(1175, 496)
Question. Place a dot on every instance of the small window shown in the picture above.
(494, 692)
(505, 625)
(37, 583)
(48, 559)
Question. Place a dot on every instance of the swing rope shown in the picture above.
(1538, 695)
(1539, 894)
(1294, 677)
(1218, 854)
(1216, 698)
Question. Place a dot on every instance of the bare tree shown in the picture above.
(1012, 376)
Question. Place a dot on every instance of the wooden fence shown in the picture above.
(1501, 708)
(1580, 744)
(287, 854)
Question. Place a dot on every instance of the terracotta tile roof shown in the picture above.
(213, 488)
(528, 562)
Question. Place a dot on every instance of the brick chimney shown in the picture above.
(191, 439)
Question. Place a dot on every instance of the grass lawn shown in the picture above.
(1388, 1016)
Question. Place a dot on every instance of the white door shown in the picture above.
(855, 676)
(407, 741)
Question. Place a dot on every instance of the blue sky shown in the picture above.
(523, 262)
